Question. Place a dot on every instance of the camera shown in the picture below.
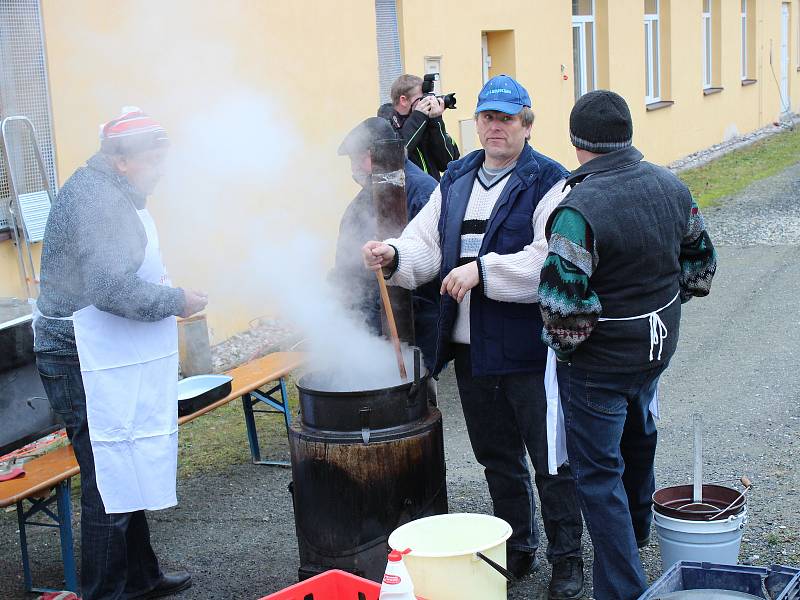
(428, 82)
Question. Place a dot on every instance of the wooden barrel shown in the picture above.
(350, 495)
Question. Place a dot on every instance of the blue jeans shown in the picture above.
(611, 444)
(117, 559)
(504, 416)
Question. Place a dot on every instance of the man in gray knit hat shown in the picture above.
(627, 247)
(106, 350)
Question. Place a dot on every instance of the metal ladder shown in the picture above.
(27, 211)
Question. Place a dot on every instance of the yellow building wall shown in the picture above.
(256, 97)
(453, 28)
(543, 46)
(10, 280)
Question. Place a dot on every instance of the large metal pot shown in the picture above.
(365, 410)
(363, 463)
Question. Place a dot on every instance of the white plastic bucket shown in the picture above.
(443, 562)
(716, 541)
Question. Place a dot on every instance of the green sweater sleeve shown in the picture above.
(570, 308)
(698, 258)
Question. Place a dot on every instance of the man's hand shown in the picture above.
(377, 255)
(426, 105)
(437, 107)
(194, 302)
(460, 280)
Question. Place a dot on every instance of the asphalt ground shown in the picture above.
(737, 364)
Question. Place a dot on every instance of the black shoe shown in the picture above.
(171, 583)
(520, 563)
(566, 582)
(642, 543)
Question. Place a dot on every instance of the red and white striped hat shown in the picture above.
(132, 131)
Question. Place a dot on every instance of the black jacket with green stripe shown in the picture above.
(429, 145)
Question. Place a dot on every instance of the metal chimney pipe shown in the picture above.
(391, 214)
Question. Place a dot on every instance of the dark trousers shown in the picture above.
(611, 444)
(117, 560)
(505, 415)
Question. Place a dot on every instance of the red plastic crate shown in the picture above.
(330, 585)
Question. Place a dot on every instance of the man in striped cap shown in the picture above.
(106, 350)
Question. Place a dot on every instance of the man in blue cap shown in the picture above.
(486, 244)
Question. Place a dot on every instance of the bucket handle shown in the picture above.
(502, 570)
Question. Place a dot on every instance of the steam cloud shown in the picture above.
(227, 171)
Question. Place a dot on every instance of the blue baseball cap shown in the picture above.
(502, 93)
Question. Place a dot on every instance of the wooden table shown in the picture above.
(47, 478)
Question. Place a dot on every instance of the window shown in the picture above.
(24, 91)
(583, 46)
(707, 44)
(390, 62)
(744, 38)
(433, 64)
(652, 51)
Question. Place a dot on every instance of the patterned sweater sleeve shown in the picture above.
(570, 308)
(698, 259)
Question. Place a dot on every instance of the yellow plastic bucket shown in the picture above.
(444, 561)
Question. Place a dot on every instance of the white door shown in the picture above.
(785, 104)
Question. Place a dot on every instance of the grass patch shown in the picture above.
(733, 172)
(219, 438)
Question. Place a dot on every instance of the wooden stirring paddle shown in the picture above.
(387, 306)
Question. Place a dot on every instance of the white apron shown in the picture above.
(556, 434)
(130, 376)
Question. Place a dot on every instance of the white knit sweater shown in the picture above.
(506, 277)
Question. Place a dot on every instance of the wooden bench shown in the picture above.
(247, 384)
(47, 479)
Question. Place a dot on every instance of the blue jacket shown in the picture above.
(504, 336)
(419, 187)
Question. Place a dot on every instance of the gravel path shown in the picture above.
(737, 363)
(766, 213)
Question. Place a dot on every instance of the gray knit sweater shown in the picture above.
(93, 246)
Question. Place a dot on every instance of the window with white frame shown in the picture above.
(707, 41)
(652, 51)
(583, 47)
(24, 90)
(744, 39)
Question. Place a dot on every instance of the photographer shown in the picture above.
(417, 117)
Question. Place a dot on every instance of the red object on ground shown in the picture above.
(59, 596)
(330, 585)
(15, 472)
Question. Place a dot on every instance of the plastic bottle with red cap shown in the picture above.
(397, 584)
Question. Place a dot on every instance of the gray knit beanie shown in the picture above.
(600, 122)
